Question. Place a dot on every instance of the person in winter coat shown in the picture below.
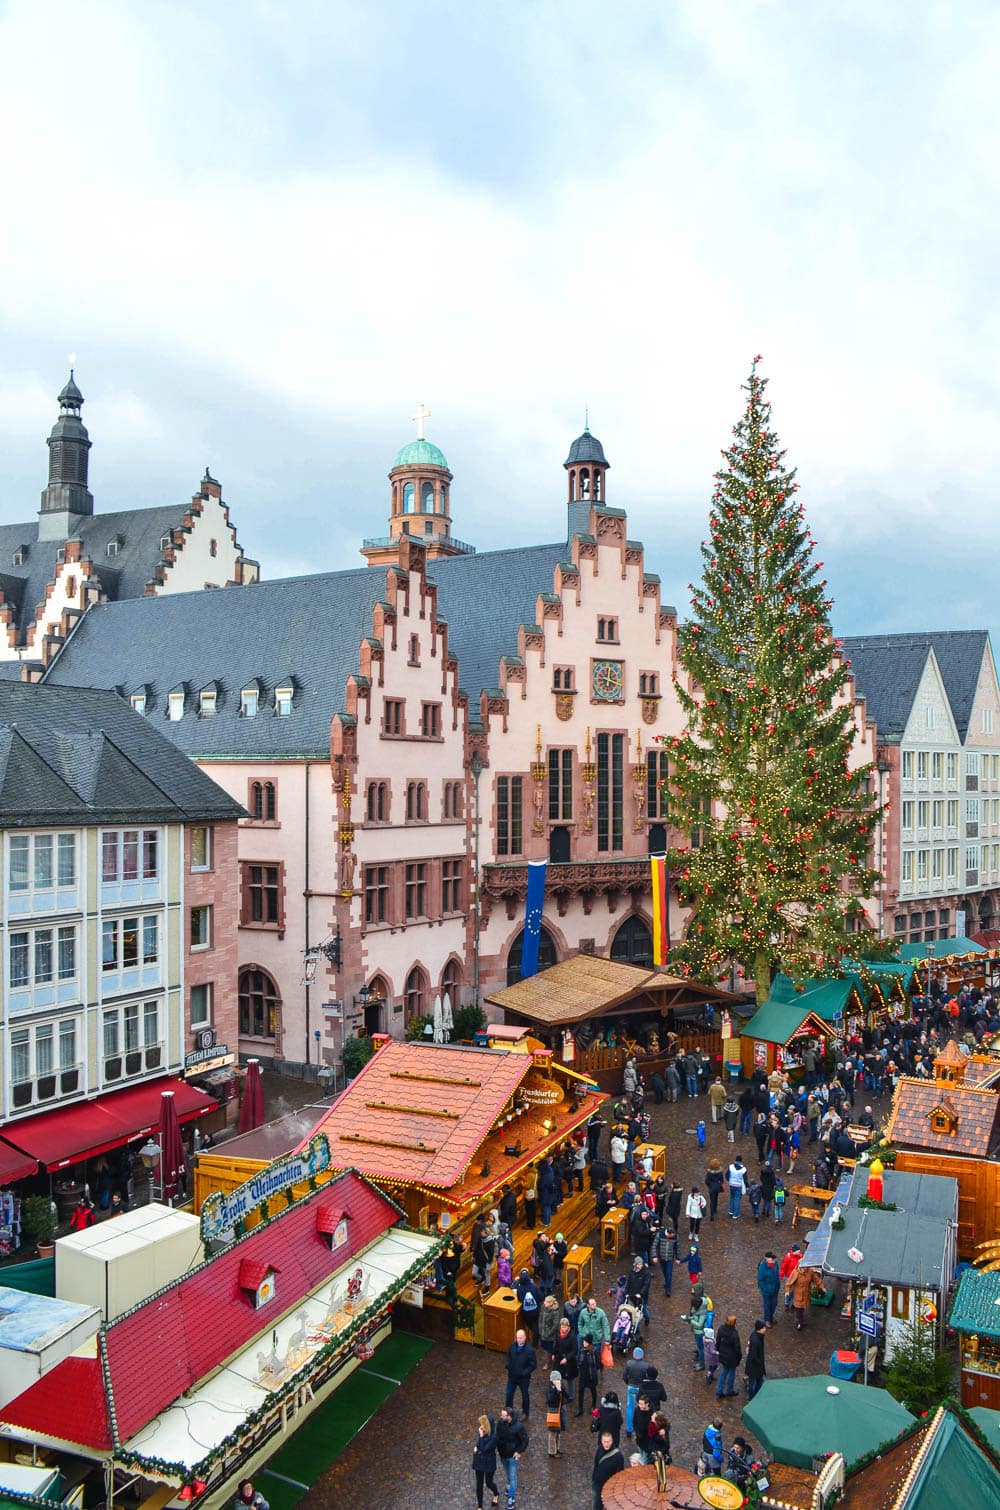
(766, 1178)
(530, 1297)
(548, 1324)
(755, 1359)
(672, 1205)
(564, 1356)
(786, 1269)
(249, 1498)
(555, 1404)
(730, 1115)
(634, 1375)
(736, 1178)
(594, 1324)
(694, 1210)
(641, 1417)
(630, 1078)
(590, 1375)
(803, 1284)
(760, 1131)
(713, 1184)
(571, 1310)
(521, 1364)
(548, 1189)
(608, 1460)
(484, 1460)
(512, 1444)
(711, 1353)
(663, 1251)
(619, 1154)
(769, 1283)
(694, 1263)
(504, 1272)
(604, 1200)
(697, 1319)
(83, 1215)
(658, 1437)
(716, 1097)
(727, 1340)
(637, 1287)
(609, 1415)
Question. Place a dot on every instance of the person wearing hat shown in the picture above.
(634, 1375)
(756, 1369)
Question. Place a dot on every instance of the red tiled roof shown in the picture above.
(253, 1272)
(418, 1112)
(328, 1218)
(973, 1113)
(170, 1342)
(67, 1403)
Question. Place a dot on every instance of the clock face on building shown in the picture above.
(608, 681)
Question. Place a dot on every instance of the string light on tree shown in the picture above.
(762, 773)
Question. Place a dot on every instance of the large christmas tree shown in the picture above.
(780, 824)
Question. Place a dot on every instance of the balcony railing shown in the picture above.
(388, 542)
(565, 879)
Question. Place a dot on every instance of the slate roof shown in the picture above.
(75, 755)
(976, 1110)
(908, 1246)
(194, 1324)
(390, 1126)
(976, 1307)
(309, 627)
(123, 575)
(887, 669)
(586, 447)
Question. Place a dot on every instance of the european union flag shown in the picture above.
(533, 905)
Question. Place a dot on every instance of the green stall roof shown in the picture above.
(976, 1307)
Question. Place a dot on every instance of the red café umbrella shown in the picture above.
(252, 1106)
(172, 1160)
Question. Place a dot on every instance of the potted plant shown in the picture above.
(38, 1216)
(357, 1052)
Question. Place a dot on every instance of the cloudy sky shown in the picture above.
(267, 230)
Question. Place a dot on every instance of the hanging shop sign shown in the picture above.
(221, 1212)
(726, 1028)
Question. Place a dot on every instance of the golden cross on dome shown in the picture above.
(419, 418)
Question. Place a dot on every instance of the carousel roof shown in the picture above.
(588, 985)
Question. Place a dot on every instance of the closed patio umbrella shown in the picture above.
(252, 1105)
(172, 1160)
(438, 1021)
(447, 1021)
(801, 1419)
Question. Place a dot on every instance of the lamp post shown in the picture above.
(149, 1153)
(477, 767)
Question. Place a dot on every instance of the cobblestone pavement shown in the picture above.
(417, 1451)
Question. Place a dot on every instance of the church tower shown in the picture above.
(587, 479)
(67, 498)
(419, 505)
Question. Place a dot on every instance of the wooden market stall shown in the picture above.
(959, 961)
(594, 1012)
(951, 1125)
(777, 1035)
(975, 1316)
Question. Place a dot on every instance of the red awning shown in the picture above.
(82, 1131)
(14, 1165)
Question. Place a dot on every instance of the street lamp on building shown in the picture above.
(149, 1153)
(477, 767)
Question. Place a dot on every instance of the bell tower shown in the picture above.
(67, 498)
(586, 478)
(419, 502)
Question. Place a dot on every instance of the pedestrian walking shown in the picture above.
(675, 1197)
(769, 1284)
(711, 1446)
(555, 1412)
(711, 1354)
(590, 1374)
(695, 1210)
(697, 1319)
(730, 1115)
(548, 1324)
(767, 1185)
(521, 1364)
(755, 1195)
(727, 1340)
(804, 1284)
(780, 1197)
(736, 1178)
(714, 1180)
(663, 1251)
(658, 1437)
(512, 1444)
(594, 1324)
(694, 1263)
(756, 1369)
(564, 1356)
(717, 1097)
(634, 1375)
(484, 1460)
(787, 1268)
(608, 1460)
(609, 1415)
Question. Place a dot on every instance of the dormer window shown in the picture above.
(61, 555)
(257, 1279)
(207, 700)
(166, 541)
(20, 556)
(138, 701)
(944, 1118)
(175, 706)
(249, 702)
(114, 545)
(283, 700)
(331, 1224)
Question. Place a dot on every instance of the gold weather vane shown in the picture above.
(419, 417)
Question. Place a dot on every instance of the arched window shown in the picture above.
(415, 994)
(416, 802)
(546, 955)
(270, 803)
(657, 839)
(377, 806)
(451, 982)
(256, 803)
(259, 1004)
(408, 499)
(633, 943)
(427, 494)
(263, 803)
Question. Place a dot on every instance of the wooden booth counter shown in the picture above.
(503, 1317)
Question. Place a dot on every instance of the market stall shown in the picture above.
(975, 1316)
(594, 1013)
(777, 1036)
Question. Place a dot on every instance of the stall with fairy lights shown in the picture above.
(952, 964)
(196, 1387)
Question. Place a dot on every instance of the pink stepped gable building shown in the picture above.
(365, 716)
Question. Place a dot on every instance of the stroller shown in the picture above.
(627, 1329)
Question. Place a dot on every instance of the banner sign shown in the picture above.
(219, 1051)
(534, 904)
(221, 1212)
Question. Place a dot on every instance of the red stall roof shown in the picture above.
(15, 1165)
(87, 1128)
